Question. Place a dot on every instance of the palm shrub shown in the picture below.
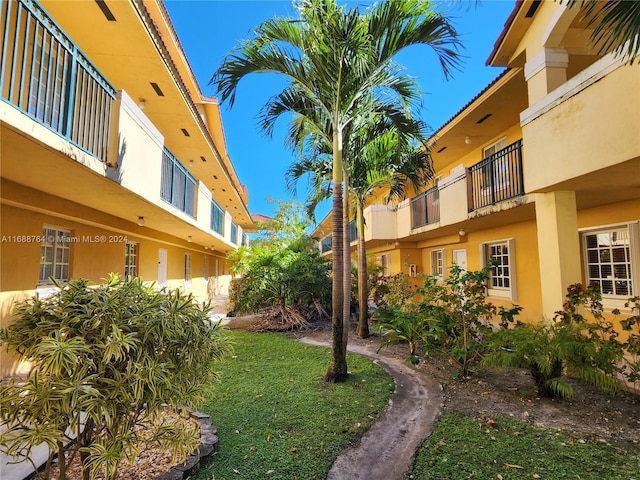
(290, 286)
(106, 360)
(459, 314)
(403, 324)
(281, 275)
(397, 317)
(570, 345)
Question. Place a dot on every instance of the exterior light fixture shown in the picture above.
(141, 221)
(461, 232)
(142, 103)
(189, 239)
(467, 140)
(191, 163)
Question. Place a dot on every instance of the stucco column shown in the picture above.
(545, 71)
(558, 247)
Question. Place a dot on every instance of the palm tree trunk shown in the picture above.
(337, 371)
(346, 232)
(363, 291)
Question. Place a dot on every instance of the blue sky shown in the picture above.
(209, 29)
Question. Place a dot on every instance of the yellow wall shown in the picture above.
(526, 257)
(590, 131)
(93, 260)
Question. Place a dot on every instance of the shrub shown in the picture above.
(453, 315)
(281, 274)
(569, 345)
(403, 325)
(460, 315)
(391, 290)
(631, 362)
(105, 360)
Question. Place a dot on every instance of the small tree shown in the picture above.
(282, 275)
(569, 345)
(460, 315)
(398, 317)
(106, 360)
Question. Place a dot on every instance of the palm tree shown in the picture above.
(333, 58)
(386, 151)
(617, 25)
(391, 160)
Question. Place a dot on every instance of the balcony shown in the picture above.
(497, 177)
(425, 208)
(45, 76)
(326, 245)
(178, 185)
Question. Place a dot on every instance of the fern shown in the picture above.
(569, 345)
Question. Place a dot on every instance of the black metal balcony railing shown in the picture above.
(178, 186)
(425, 208)
(43, 74)
(497, 177)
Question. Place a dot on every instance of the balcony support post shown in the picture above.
(558, 247)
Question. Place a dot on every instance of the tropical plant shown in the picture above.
(615, 23)
(338, 62)
(403, 325)
(281, 275)
(106, 360)
(460, 315)
(631, 325)
(386, 151)
(569, 345)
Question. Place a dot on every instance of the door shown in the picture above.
(460, 259)
(162, 268)
(216, 285)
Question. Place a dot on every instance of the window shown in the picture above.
(54, 254)
(502, 277)
(437, 262)
(494, 147)
(327, 244)
(384, 261)
(234, 233)
(217, 218)
(46, 94)
(130, 260)
(177, 185)
(609, 262)
(353, 231)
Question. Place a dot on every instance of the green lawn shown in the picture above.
(277, 419)
(462, 447)
(275, 416)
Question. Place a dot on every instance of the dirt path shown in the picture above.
(386, 451)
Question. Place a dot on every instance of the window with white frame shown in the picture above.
(437, 262)
(502, 276)
(54, 254)
(130, 260)
(609, 260)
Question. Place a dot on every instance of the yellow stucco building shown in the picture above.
(540, 170)
(112, 160)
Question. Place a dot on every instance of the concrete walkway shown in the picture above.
(387, 450)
